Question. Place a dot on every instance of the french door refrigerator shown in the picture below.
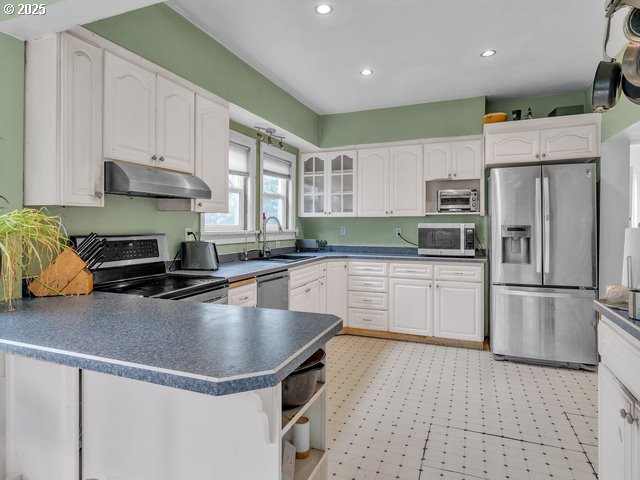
(543, 263)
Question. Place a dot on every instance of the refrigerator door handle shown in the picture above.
(538, 236)
(547, 225)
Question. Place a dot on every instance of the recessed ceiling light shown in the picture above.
(488, 53)
(324, 9)
(366, 72)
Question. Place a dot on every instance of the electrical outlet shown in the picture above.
(278, 243)
(398, 232)
(188, 234)
(343, 230)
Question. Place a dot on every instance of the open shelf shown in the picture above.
(289, 417)
(307, 467)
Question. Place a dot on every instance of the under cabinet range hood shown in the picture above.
(122, 178)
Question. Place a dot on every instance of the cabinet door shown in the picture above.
(467, 160)
(305, 298)
(616, 446)
(175, 126)
(515, 147)
(341, 168)
(313, 202)
(82, 162)
(570, 142)
(411, 306)
(458, 311)
(373, 182)
(129, 111)
(405, 167)
(437, 161)
(212, 154)
(337, 289)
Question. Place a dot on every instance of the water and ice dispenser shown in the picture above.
(516, 244)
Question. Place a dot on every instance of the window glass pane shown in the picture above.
(319, 165)
(270, 184)
(336, 203)
(347, 203)
(319, 185)
(319, 204)
(336, 183)
(308, 204)
(347, 163)
(347, 183)
(227, 219)
(275, 206)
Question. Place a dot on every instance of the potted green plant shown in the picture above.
(29, 240)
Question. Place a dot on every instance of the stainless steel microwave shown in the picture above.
(447, 239)
(458, 200)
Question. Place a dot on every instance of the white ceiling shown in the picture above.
(421, 50)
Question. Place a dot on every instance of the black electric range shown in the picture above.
(137, 265)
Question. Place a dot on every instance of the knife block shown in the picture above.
(67, 275)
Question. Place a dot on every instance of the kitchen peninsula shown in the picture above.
(91, 378)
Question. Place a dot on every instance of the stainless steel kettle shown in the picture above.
(199, 255)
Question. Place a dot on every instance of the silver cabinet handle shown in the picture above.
(200, 204)
(387, 212)
(430, 285)
(367, 300)
(367, 320)
(437, 286)
(544, 155)
(161, 158)
(99, 194)
(246, 297)
(454, 174)
(307, 290)
(154, 157)
(623, 413)
(369, 284)
(537, 155)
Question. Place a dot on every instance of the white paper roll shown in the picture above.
(302, 437)
(631, 249)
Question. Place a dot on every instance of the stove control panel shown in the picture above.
(119, 250)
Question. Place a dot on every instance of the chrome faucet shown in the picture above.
(245, 254)
(266, 251)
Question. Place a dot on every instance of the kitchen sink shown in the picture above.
(286, 258)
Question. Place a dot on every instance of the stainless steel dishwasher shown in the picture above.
(273, 290)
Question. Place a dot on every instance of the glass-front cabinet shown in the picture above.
(328, 184)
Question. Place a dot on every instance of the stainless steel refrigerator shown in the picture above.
(543, 263)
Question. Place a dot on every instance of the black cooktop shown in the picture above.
(164, 286)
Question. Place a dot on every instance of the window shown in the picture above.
(278, 169)
(241, 180)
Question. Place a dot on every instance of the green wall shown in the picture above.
(11, 120)
(162, 36)
(540, 105)
(438, 119)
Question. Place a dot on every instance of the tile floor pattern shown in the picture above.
(410, 411)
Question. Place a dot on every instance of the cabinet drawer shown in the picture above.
(303, 275)
(245, 295)
(369, 284)
(378, 301)
(620, 353)
(370, 269)
(463, 273)
(370, 319)
(411, 270)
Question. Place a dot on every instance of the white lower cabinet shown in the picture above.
(411, 306)
(459, 310)
(336, 297)
(306, 298)
(244, 295)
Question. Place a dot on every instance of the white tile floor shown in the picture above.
(403, 410)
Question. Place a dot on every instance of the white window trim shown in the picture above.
(273, 233)
(227, 236)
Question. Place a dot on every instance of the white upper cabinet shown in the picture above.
(129, 111)
(406, 181)
(212, 153)
(341, 174)
(373, 182)
(545, 139)
(175, 131)
(454, 160)
(148, 119)
(327, 184)
(437, 160)
(466, 163)
(63, 122)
